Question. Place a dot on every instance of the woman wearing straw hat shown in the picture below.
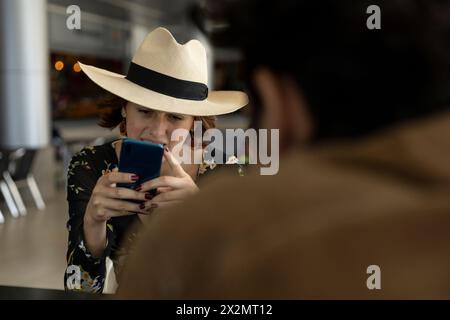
(164, 90)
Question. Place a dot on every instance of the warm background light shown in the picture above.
(76, 67)
(59, 65)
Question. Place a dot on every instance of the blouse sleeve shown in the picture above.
(84, 271)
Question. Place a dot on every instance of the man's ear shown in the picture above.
(267, 87)
(283, 107)
(299, 118)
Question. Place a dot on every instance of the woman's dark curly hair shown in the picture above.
(110, 115)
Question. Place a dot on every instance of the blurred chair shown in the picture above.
(4, 176)
(19, 175)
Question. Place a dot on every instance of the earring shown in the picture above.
(123, 127)
(123, 123)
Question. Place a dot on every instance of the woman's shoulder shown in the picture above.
(97, 151)
(86, 167)
(101, 157)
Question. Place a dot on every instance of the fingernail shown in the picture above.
(134, 177)
(142, 206)
(148, 196)
(154, 205)
(139, 188)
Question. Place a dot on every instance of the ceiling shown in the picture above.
(139, 11)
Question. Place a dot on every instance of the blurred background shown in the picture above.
(48, 110)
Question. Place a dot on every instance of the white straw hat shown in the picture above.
(167, 76)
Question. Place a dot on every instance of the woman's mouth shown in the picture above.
(155, 142)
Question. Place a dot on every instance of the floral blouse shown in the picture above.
(84, 271)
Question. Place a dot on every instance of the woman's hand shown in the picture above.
(109, 201)
(171, 189)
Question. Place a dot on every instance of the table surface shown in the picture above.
(24, 293)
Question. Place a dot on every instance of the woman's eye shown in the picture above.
(175, 117)
(144, 111)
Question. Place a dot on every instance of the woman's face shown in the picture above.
(155, 126)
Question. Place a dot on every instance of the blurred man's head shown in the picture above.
(320, 73)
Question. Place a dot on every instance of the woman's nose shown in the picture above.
(158, 129)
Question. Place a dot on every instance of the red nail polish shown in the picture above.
(139, 188)
(148, 196)
(134, 177)
(142, 206)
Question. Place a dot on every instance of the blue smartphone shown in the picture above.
(141, 158)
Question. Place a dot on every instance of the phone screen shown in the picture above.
(141, 158)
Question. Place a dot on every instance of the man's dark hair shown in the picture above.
(355, 80)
